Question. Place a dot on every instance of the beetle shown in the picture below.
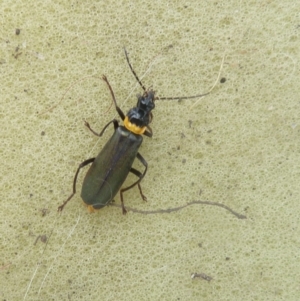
(114, 162)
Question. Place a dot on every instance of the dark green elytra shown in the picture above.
(110, 168)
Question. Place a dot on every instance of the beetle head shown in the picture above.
(141, 114)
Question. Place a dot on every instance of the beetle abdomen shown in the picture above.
(110, 168)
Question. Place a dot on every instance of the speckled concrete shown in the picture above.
(239, 147)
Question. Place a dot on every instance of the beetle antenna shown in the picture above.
(198, 95)
(133, 72)
(183, 97)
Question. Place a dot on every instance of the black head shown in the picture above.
(141, 115)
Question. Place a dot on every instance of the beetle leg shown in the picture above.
(140, 176)
(84, 163)
(148, 132)
(120, 112)
(114, 121)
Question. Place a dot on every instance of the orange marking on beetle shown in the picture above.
(134, 128)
